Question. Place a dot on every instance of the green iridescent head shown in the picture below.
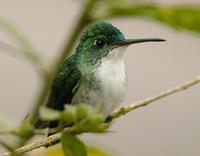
(100, 38)
(102, 34)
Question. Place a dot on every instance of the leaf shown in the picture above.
(72, 146)
(25, 130)
(86, 118)
(94, 151)
(82, 111)
(83, 117)
(48, 114)
(179, 17)
(93, 124)
(69, 114)
(91, 151)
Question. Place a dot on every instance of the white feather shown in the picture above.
(112, 77)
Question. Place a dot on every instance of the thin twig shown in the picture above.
(116, 114)
(123, 110)
(37, 144)
(51, 140)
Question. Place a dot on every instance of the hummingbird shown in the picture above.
(95, 74)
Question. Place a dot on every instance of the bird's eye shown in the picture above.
(99, 43)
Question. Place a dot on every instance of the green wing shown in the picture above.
(63, 88)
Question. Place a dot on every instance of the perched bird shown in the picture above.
(95, 74)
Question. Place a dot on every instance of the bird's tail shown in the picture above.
(39, 124)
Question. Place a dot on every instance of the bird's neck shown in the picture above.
(114, 57)
(90, 64)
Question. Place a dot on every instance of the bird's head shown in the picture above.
(101, 40)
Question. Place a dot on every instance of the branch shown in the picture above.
(42, 143)
(116, 114)
(123, 110)
(51, 140)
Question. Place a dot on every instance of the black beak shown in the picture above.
(134, 41)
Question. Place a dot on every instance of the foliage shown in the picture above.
(179, 17)
(91, 151)
(84, 118)
(72, 146)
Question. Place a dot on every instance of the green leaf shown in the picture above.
(84, 118)
(91, 151)
(69, 114)
(93, 124)
(179, 17)
(94, 151)
(82, 112)
(48, 114)
(25, 130)
(72, 146)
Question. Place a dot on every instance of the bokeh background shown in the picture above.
(170, 126)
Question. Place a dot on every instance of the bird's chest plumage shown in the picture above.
(107, 84)
(105, 87)
(111, 79)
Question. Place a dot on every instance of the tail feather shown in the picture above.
(41, 124)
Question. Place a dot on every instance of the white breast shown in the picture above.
(112, 78)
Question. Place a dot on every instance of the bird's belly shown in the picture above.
(107, 90)
(111, 93)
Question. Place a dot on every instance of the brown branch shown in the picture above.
(116, 114)
(37, 144)
(123, 110)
